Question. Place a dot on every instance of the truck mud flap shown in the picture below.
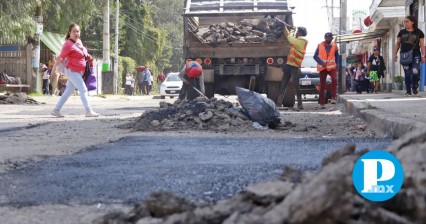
(274, 74)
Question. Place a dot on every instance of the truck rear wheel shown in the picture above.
(273, 90)
(289, 95)
(209, 88)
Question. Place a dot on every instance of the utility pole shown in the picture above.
(116, 48)
(36, 77)
(106, 47)
(342, 61)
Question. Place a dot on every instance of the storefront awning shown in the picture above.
(360, 36)
(53, 41)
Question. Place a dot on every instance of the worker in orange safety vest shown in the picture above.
(327, 56)
(294, 62)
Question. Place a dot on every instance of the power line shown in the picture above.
(137, 23)
(138, 31)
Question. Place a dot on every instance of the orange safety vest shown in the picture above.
(295, 57)
(328, 59)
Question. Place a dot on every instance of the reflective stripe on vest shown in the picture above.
(328, 59)
(295, 57)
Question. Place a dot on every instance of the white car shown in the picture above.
(171, 86)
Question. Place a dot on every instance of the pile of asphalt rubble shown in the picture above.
(324, 196)
(246, 31)
(16, 98)
(198, 114)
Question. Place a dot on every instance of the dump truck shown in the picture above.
(239, 43)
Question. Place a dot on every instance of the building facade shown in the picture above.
(386, 19)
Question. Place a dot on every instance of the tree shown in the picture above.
(59, 14)
(166, 15)
(16, 19)
(144, 42)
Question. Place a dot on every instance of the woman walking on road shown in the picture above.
(411, 39)
(76, 54)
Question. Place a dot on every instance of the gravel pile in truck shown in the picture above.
(246, 31)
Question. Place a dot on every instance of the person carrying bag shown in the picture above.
(77, 60)
(411, 42)
(406, 58)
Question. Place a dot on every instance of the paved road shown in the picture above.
(201, 168)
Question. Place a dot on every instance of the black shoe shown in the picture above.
(415, 92)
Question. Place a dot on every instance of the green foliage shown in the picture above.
(144, 42)
(166, 15)
(16, 20)
(150, 33)
(125, 65)
(398, 79)
(34, 93)
(59, 14)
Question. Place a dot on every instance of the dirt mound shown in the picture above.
(16, 98)
(325, 196)
(199, 114)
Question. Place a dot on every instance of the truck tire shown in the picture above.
(209, 88)
(289, 95)
(191, 92)
(273, 91)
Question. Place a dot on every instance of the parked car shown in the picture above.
(309, 78)
(171, 85)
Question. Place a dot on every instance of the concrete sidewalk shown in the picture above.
(392, 113)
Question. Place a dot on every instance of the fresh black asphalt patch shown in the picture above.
(199, 168)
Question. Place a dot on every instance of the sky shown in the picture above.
(312, 14)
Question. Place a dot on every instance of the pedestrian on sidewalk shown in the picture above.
(128, 86)
(76, 54)
(146, 81)
(294, 62)
(359, 78)
(327, 57)
(45, 74)
(411, 39)
(160, 78)
(53, 76)
(375, 69)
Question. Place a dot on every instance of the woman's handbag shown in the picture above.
(88, 77)
(88, 69)
(90, 80)
(406, 58)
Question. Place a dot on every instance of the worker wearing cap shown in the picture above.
(294, 62)
(191, 70)
(327, 56)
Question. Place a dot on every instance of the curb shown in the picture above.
(390, 124)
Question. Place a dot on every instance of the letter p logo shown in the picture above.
(371, 172)
(378, 175)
